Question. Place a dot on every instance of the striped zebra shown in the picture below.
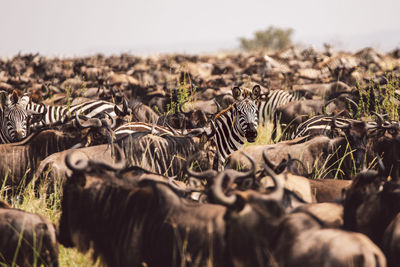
(56, 115)
(133, 127)
(269, 102)
(229, 130)
(328, 125)
(236, 124)
(15, 118)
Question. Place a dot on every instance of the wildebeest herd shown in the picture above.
(151, 155)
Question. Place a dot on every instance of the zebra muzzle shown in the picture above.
(251, 134)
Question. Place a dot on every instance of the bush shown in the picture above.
(272, 38)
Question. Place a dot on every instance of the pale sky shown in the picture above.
(85, 27)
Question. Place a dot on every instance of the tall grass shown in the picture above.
(35, 201)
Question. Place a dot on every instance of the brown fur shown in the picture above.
(38, 234)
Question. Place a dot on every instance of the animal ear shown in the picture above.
(236, 92)
(3, 98)
(118, 111)
(23, 101)
(256, 92)
(14, 97)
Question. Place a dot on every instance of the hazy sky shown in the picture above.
(79, 27)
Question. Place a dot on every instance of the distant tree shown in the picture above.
(272, 38)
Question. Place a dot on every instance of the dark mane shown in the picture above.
(118, 218)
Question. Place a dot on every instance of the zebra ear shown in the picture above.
(236, 92)
(256, 92)
(23, 101)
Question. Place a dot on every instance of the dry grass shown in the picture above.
(49, 208)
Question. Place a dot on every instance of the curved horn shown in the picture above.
(93, 122)
(181, 105)
(219, 108)
(351, 101)
(277, 193)
(218, 194)
(265, 158)
(335, 123)
(117, 166)
(300, 162)
(79, 165)
(127, 110)
(105, 122)
(251, 172)
(381, 122)
(208, 174)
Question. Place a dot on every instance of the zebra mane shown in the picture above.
(224, 110)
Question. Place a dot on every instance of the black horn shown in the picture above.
(207, 175)
(218, 193)
(79, 166)
(92, 122)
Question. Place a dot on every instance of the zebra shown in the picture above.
(133, 127)
(236, 124)
(228, 131)
(15, 118)
(328, 125)
(55, 115)
(269, 102)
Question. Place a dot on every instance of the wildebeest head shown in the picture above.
(247, 112)
(356, 133)
(252, 212)
(370, 204)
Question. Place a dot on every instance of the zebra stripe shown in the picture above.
(133, 127)
(322, 125)
(270, 102)
(233, 126)
(61, 114)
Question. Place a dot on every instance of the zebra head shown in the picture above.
(246, 112)
(15, 117)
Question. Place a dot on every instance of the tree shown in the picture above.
(272, 38)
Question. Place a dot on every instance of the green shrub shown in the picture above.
(272, 38)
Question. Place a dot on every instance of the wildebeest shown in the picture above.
(20, 160)
(321, 154)
(303, 240)
(325, 89)
(391, 242)
(293, 113)
(387, 147)
(27, 239)
(163, 229)
(371, 204)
